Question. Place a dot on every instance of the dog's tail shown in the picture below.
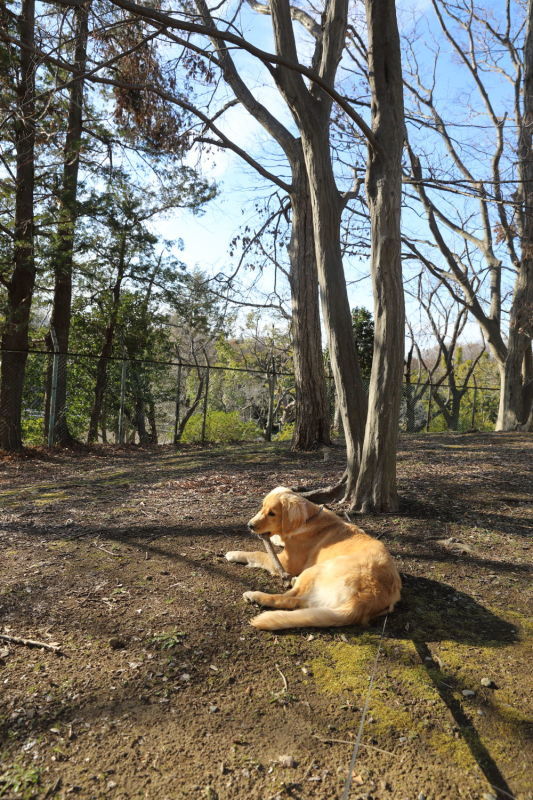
(304, 618)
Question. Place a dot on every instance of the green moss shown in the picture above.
(345, 666)
(509, 721)
(348, 667)
(417, 680)
(452, 749)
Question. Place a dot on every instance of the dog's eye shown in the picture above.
(271, 514)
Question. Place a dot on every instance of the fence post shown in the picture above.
(177, 411)
(206, 395)
(428, 421)
(122, 398)
(53, 389)
(271, 379)
(473, 421)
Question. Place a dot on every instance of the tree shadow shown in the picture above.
(431, 611)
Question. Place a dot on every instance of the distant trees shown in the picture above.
(59, 156)
(480, 248)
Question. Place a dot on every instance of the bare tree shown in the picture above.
(474, 272)
(312, 417)
(447, 321)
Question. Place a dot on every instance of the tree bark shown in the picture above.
(15, 339)
(311, 427)
(327, 208)
(516, 388)
(374, 489)
(63, 252)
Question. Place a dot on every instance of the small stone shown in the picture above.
(421, 796)
(185, 677)
(468, 693)
(488, 683)
(287, 761)
(489, 796)
(111, 784)
(213, 709)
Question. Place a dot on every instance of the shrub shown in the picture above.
(221, 426)
(285, 434)
(33, 430)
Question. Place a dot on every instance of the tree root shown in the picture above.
(328, 494)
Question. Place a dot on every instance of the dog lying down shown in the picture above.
(344, 575)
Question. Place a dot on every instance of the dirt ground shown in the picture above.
(165, 692)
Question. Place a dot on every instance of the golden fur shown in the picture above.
(344, 575)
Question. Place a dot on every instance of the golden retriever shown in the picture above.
(344, 575)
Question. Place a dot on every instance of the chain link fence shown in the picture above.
(116, 400)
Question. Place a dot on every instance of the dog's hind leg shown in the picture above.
(291, 599)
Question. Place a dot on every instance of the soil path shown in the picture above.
(165, 692)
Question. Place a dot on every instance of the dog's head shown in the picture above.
(282, 513)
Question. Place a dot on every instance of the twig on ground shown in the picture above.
(52, 789)
(54, 648)
(105, 550)
(283, 678)
(347, 741)
(308, 770)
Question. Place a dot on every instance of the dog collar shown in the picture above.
(322, 507)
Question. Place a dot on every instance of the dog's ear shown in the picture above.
(293, 511)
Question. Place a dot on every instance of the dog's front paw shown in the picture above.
(251, 597)
(237, 556)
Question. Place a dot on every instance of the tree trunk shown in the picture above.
(63, 253)
(139, 419)
(107, 350)
(20, 288)
(374, 489)
(311, 427)
(271, 383)
(516, 390)
(152, 420)
(327, 210)
(311, 109)
(101, 382)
